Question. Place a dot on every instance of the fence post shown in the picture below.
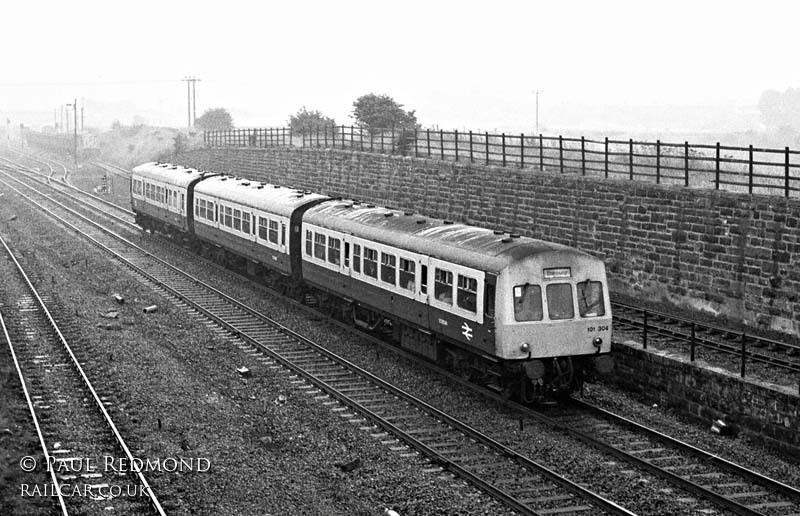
(402, 146)
(716, 176)
(416, 150)
(693, 343)
(503, 143)
(456, 137)
(352, 139)
(750, 170)
(487, 147)
(521, 150)
(541, 152)
(381, 141)
(658, 161)
(441, 144)
(583, 156)
(561, 153)
(630, 143)
(644, 329)
(744, 340)
(786, 171)
(606, 157)
(471, 160)
(685, 163)
(428, 137)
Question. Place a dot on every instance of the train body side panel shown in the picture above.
(407, 309)
(246, 248)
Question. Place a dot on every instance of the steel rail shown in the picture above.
(47, 457)
(698, 452)
(128, 223)
(76, 189)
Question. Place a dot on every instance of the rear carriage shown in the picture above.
(161, 195)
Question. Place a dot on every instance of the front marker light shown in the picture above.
(525, 347)
(597, 342)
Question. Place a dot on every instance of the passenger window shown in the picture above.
(590, 299)
(283, 234)
(210, 211)
(308, 242)
(443, 286)
(423, 279)
(559, 301)
(371, 262)
(407, 277)
(527, 303)
(197, 208)
(334, 248)
(388, 268)
(273, 232)
(246, 223)
(356, 258)
(228, 216)
(467, 293)
(237, 220)
(263, 225)
(319, 246)
(347, 254)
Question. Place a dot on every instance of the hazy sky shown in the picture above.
(459, 64)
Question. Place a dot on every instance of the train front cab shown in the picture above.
(553, 319)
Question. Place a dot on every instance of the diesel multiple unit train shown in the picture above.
(524, 316)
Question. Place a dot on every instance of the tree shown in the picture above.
(382, 112)
(216, 119)
(305, 121)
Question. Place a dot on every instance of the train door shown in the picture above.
(423, 280)
(347, 249)
(282, 241)
(253, 228)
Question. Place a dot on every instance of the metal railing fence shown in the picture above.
(749, 169)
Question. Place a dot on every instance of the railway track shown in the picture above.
(71, 416)
(364, 398)
(733, 487)
(748, 351)
(727, 485)
(119, 213)
(52, 165)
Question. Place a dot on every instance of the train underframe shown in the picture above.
(526, 381)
